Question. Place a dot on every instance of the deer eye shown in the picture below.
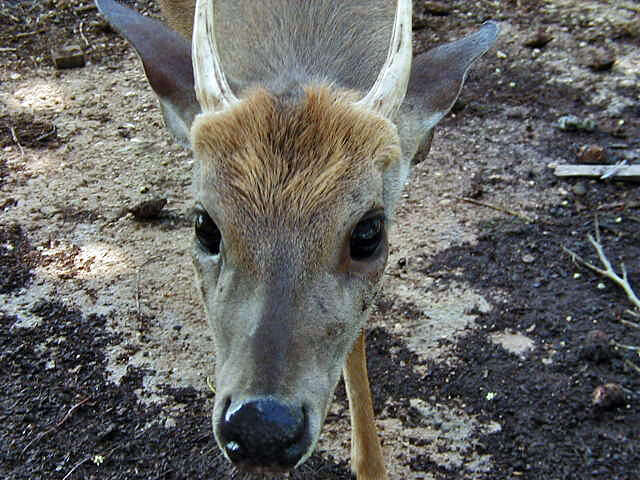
(367, 237)
(207, 232)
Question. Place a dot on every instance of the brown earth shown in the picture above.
(104, 349)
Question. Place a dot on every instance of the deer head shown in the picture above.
(301, 162)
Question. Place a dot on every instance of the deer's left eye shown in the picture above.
(207, 231)
(367, 237)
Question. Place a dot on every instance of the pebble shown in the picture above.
(148, 209)
(437, 8)
(538, 39)
(528, 258)
(579, 189)
(592, 154)
(608, 396)
(601, 61)
(571, 123)
(596, 346)
(70, 56)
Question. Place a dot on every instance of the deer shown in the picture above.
(303, 118)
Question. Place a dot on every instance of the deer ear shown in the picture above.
(166, 57)
(435, 83)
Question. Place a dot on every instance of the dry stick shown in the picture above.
(15, 139)
(633, 314)
(632, 365)
(608, 272)
(71, 410)
(28, 34)
(629, 324)
(86, 42)
(521, 216)
(86, 459)
(75, 467)
(56, 426)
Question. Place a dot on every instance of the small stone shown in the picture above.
(579, 189)
(70, 56)
(148, 209)
(528, 258)
(608, 396)
(592, 154)
(596, 346)
(538, 39)
(437, 8)
(601, 61)
(571, 123)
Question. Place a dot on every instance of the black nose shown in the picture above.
(264, 434)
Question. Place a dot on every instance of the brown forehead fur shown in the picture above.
(270, 156)
(275, 163)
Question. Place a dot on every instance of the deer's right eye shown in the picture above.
(207, 232)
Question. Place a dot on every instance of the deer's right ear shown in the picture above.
(166, 57)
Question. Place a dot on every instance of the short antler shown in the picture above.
(212, 90)
(390, 87)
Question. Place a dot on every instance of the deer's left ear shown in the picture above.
(435, 83)
(166, 57)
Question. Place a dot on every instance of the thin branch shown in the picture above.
(629, 323)
(15, 139)
(625, 347)
(75, 467)
(84, 38)
(55, 427)
(633, 314)
(608, 270)
(629, 363)
(521, 216)
(71, 410)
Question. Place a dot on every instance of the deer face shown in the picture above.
(296, 185)
(290, 245)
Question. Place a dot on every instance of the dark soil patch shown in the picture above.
(30, 28)
(60, 414)
(544, 402)
(17, 258)
(28, 131)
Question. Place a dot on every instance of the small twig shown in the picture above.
(71, 410)
(633, 348)
(15, 139)
(521, 216)
(28, 34)
(75, 467)
(86, 42)
(8, 49)
(632, 365)
(613, 170)
(44, 136)
(633, 314)
(86, 459)
(629, 324)
(210, 385)
(86, 8)
(55, 427)
(608, 271)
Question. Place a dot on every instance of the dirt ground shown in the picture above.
(488, 344)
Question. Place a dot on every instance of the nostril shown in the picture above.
(264, 432)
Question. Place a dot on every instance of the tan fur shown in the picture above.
(179, 15)
(288, 161)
